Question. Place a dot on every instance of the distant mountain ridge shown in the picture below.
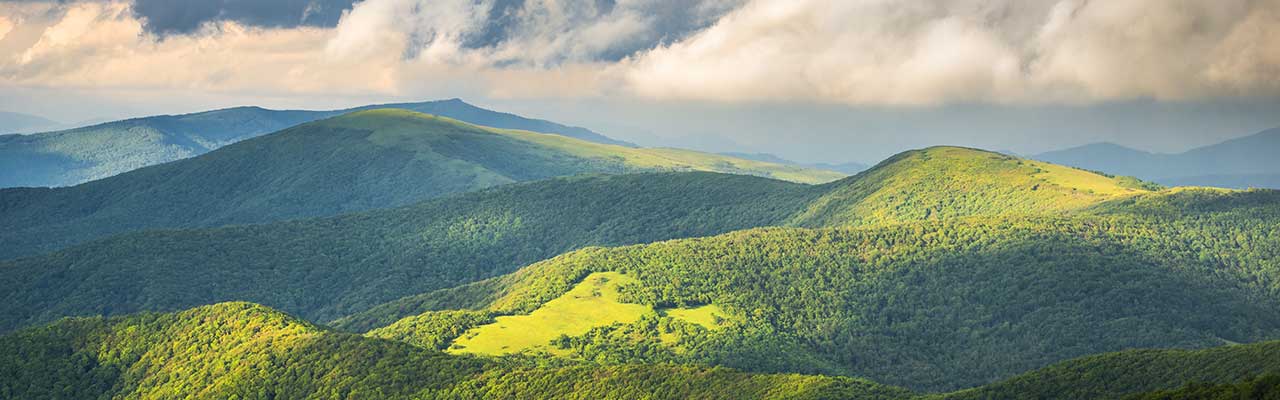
(358, 161)
(12, 122)
(847, 168)
(74, 156)
(1249, 161)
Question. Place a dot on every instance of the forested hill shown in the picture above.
(931, 306)
(327, 268)
(963, 295)
(1124, 374)
(359, 161)
(947, 182)
(379, 256)
(74, 156)
(247, 351)
(277, 356)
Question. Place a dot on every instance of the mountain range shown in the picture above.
(1238, 163)
(387, 253)
(361, 160)
(906, 270)
(74, 156)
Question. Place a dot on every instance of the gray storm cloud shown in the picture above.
(877, 52)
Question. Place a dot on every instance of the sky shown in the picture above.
(818, 81)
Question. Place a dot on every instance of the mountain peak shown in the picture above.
(950, 181)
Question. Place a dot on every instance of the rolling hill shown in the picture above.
(1124, 374)
(1239, 163)
(358, 161)
(337, 266)
(247, 351)
(931, 306)
(948, 182)
(327, 268)
(937, 270)
(244, 350)
(74, 156)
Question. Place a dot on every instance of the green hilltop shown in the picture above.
(359, 161)
(946, 182)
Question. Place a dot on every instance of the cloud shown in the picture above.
(6, 25)
(862, 52)
(1011, 51)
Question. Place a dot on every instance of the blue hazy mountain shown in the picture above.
(1250, 161)
(12, 122)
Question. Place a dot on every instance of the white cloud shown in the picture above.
(1009, 51)
(877, 52)
(6, 25)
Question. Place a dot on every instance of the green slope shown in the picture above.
(244, 351)
(330, 267)
(74, 156)
(78, 155)
(962, 295)
(363, 160)
(920, 185)
(1121, 374)
(1261, 387)
(931, 306)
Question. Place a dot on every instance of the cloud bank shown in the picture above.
(860, 52)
